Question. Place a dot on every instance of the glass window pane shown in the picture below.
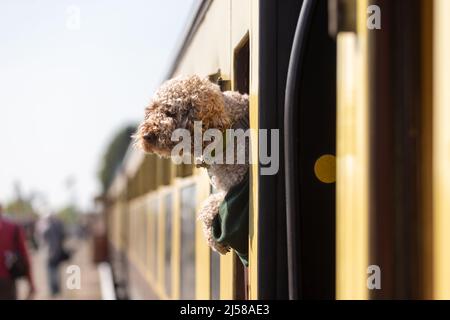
(168, 206)
(215, 275)
(188, 242)
(143, 241)
(153, 217)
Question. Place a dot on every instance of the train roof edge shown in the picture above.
(133, 158)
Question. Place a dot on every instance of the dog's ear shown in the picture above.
(211, 108)
(186, 116)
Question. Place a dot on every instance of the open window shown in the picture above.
(242, 66)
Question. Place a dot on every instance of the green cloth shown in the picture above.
(230, 226)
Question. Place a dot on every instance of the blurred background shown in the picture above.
(75, 78)
(358, 89)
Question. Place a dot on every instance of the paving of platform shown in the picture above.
(90, 283)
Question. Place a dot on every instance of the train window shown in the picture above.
(143, 229)
(242, 66)
(168, 208)
(215, 275)
(188, 206)
(134, 239)
(153, 217)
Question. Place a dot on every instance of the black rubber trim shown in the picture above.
(290, 140)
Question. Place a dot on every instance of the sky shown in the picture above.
(72, 73)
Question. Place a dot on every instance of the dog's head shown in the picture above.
(176, 105)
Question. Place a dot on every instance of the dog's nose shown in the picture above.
(150, 137)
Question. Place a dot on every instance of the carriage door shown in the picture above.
(310, 155)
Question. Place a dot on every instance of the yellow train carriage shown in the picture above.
(157, 244)
(363, 167)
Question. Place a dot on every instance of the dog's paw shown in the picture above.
(219, 248)
(208, 211)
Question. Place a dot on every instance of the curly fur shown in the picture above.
(208, 211)
(177, 104)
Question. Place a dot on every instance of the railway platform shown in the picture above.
(89, 276)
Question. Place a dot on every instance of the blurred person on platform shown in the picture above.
(14, 259)
(52, 235)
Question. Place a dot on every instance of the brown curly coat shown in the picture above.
(178, 103)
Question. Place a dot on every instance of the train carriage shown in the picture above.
(361, 107)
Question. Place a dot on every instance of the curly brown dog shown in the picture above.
(177, 104)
